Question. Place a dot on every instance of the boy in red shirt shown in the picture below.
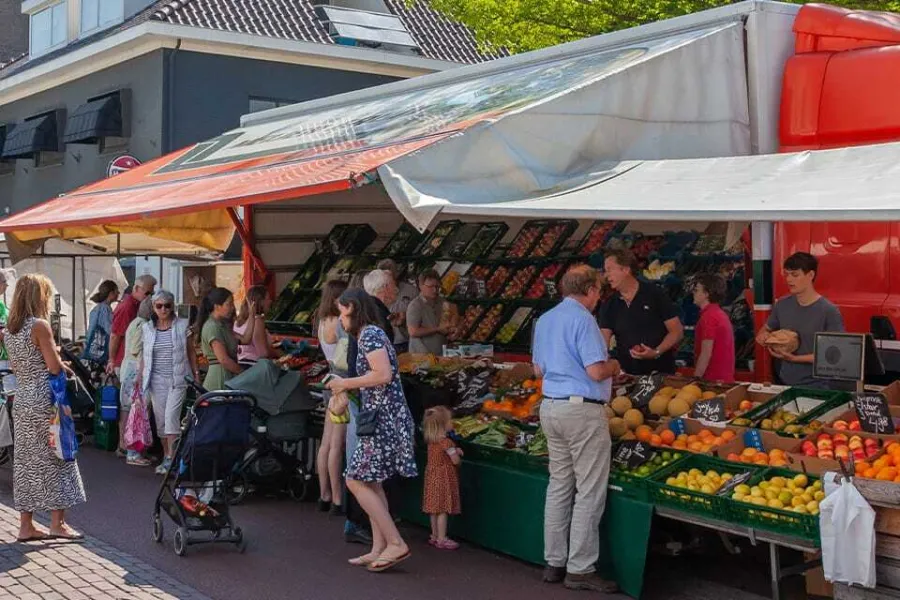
(713, 335)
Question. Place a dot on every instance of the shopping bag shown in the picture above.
(138, 436)
(109, 399)
(6, 437)
(847, 528)
(62, 426)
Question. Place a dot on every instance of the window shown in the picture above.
(96, 14)
(260, 104)
(48, 29)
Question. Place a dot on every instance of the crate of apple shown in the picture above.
(539, 287)
(840, 447)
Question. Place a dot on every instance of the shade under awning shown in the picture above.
(861, 183)
(96, 119)
(38, 134)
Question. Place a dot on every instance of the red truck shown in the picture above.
(842, 88)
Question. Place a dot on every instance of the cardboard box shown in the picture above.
(818, 466)
(756, 393)
(849, 414)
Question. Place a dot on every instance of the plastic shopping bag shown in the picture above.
(847, 526)
(62, 426)
(138, 436)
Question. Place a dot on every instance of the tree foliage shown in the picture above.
(522, 25)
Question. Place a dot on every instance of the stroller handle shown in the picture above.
(221, 396)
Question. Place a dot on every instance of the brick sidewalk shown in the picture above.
(58, 570)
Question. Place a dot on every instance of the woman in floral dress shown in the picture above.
(389, 451)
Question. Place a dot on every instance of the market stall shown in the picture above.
(509, 174)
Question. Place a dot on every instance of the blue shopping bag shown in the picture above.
(62, 426)
(109, 399)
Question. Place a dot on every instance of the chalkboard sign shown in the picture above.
(473, 384)
(480, 288)
(644, 388)
(712, 410)
(733, 483)
(633, 454)
(873, 412)
(550, 287)
(462, 286)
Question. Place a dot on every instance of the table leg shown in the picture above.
(775, 566)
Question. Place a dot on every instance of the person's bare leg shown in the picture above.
(322, 461)
(171, 439)
(27, 528)
(372, 499)
(434, 527)
(59, 527)
(442, 526)
(123, 422)
(336, 461)
(378, 540)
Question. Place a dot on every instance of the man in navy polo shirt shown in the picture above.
(570, 353)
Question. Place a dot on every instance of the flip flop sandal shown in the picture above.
(361, 561)
(34, 538)
(383, 564)
(71, 537)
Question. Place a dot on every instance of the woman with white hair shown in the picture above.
(168, 358)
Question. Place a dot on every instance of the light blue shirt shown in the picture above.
(566, 340)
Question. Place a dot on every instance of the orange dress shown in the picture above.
(441, 493)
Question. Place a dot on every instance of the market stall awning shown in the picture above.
(565, 108)
(804, 186)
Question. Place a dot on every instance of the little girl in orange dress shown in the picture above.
(441, 493)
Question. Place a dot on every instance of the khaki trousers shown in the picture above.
(579, 444)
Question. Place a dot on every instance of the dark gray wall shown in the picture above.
(212, 92)
(84, 164)
(13, 30)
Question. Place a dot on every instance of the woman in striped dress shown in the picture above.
(41, 481)
(168, 358)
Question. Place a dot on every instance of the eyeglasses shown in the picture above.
(164, 306)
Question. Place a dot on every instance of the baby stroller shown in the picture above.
(281, 430)
(214, 438)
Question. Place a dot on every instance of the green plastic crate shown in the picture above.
(633, 485)
(505, 457)
(803, 526)
(708, 505)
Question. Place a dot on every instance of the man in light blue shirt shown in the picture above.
(569, 352)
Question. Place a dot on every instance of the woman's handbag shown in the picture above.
(138, 436)
(366, 422)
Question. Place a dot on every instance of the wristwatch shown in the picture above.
(658, 353)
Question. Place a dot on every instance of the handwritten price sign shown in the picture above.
(633, 454)
(873, 412)
(712, 410)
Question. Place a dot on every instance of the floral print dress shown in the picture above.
(390, 451)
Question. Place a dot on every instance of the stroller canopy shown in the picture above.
(276, 390)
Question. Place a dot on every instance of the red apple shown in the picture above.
(840, 425)
(871, 442)
(870, 452)
(859, 455)
(842, 452)
(856, 444)
(840, 438)
(854, 425)
(826, 454)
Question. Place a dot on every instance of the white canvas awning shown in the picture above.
(848, 184)
(76, 273)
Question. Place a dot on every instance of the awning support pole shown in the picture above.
(249, 246)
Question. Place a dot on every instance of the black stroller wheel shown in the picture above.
(239, 539)
(179, 542)
(299, 486)
(237, 489)
(157, 529)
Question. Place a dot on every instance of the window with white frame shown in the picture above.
(48, 29)
(98, 14)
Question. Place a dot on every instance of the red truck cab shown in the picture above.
(842, 88)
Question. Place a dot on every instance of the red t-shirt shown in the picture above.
(125, 313)
(715, 325)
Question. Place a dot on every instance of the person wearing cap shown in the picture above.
(406, 292)
(570, 353)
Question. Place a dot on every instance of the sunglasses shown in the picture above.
(164, 306)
